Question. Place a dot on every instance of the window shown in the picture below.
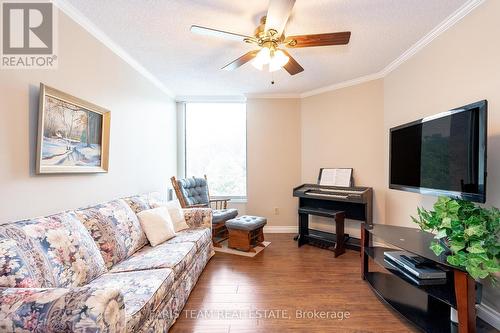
(216, 146)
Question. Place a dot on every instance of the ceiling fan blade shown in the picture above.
(277, 14)
(241, 60)
(197, 29)
(335, 38)
(292, 66)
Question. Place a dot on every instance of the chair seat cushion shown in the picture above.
(200, 237)
(222, 215)
(174, 256)
(246, 222)
(143, 292)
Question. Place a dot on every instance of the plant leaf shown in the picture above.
(476, 247)
(456, 246)
(441, 234)
(446, 222)
(436, 248)
(475, 230)
(454, 260)
(477, 272)
(492, 266)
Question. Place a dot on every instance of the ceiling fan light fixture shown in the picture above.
(262, 58)
(257, 65)
(278, 60)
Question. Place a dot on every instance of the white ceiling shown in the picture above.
(156, 34)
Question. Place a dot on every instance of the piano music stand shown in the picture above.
(351, 181)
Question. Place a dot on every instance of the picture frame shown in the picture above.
(73, 134)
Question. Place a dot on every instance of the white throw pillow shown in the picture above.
(157, 225)
(177, 215)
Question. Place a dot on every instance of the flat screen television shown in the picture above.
(443, 154)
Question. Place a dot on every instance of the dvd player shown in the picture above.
(417, 266)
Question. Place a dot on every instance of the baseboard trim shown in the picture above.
(489, 315)
(278, 229)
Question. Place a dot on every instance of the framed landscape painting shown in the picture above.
(73, 135)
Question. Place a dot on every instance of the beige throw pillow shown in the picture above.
(177, 215)
(157, 225)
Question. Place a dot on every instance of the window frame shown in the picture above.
(232, 198)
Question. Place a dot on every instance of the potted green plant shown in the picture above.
(467, 233)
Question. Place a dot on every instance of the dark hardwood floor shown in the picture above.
(270, 292)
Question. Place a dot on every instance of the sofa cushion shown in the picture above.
(143, 292)
(141, 202)
(138, 203)
(222, 215)
(79, 309)
(66, 246)
(200, 237)
(115, 228)
(22, 265)
(175, 256)
(157, 224)
(177, 215)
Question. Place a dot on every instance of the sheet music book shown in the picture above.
(335, 177)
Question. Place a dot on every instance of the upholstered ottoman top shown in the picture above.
(246, 222)
(221, 215)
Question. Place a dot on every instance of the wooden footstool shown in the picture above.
(245, 232)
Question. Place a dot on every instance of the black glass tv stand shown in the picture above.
(426, 306)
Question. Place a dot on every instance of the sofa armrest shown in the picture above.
(84, 309)
(198, 217)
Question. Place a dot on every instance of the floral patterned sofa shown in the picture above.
(92, 270)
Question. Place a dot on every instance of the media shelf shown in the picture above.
(443, 291)
(428, 307)
(414, 304)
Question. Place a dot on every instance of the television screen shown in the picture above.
(442, 155)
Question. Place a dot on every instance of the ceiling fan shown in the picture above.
(270, 39)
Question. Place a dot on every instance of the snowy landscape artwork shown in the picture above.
(71, 137)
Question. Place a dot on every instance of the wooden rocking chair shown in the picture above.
(193, 192)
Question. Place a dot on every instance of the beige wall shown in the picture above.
(273, 159)
(344, 128)
(460, 67)
(142, 152)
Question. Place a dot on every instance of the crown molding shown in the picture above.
(344, 84)
(83, 21)
(211, 99)
(450, 21)
(277, 96)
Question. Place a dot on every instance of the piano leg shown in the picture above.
(339, 231)
(303, 229)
